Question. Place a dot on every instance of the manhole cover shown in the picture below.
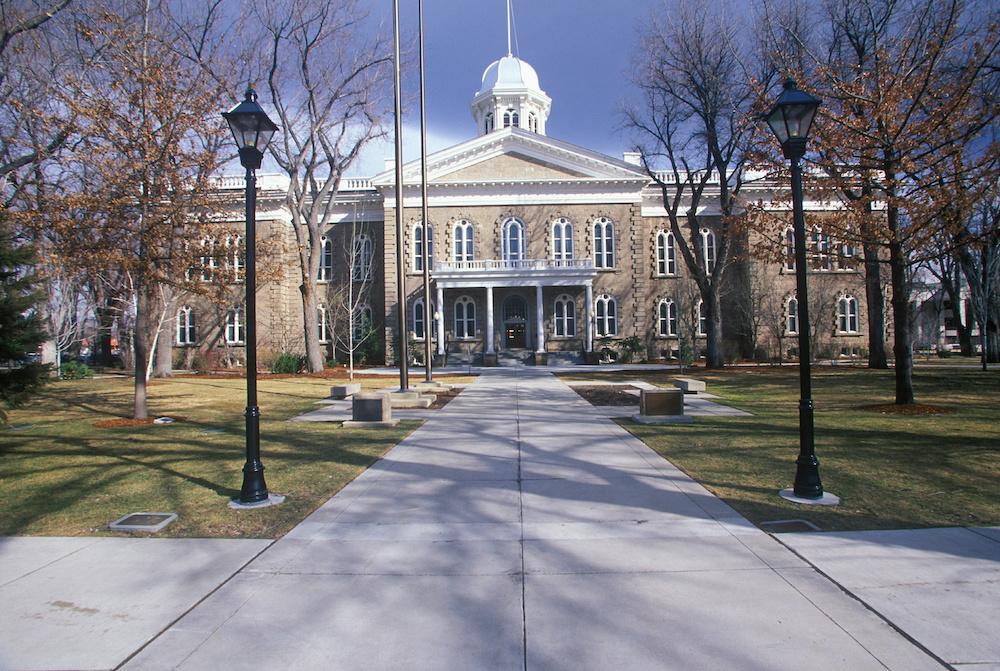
(788, 526)
(144, 522)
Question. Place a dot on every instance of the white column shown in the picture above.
(440, 322)
(539, 322)
(589, 308)
(489, 321)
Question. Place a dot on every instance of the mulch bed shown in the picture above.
(909, 409)
(441, 399)
(128, 421)
(607, 394)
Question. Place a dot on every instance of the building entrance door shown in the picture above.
(516, 336)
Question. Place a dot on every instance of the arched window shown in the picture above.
(668, 318)
(208, 263)
(363, 323)
(464, 245)
(789, 249)
(510, 118)
(325, 273)
(323, 323)
(604, 243)
(364, 251)
(235, 327)
(666, 254)
(607, 315)
(565, 317)
(185, 326)
(513, 239)
(847, 314)
(532, 122)
(418, 246)
(708, 249)
(234, 258)
(562, 239)
(490, 123)
(792, 316)
(702, 319)
(465, 318)
(420, 321)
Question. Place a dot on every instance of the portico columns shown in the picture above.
(588, 308)
(539, 330)
(490, 349)
(440, 321)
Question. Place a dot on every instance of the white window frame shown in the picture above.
(362, 312)
(666, 254)
(562, 239)
(465, 318)
(419, 319)
(185, 326)
(702, 320)
(847, 315)
(418, 246)
(667, 319)
(323, 324)
(325, 272)
(465, 249)
(604, 243)
(606, 315)
(564, 317)
(792, 316)
(513, 231)
(235, 327)
(361, 262)
(708, 249)
(790, 250)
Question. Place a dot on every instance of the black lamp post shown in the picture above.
(253, 131)
(790, 120)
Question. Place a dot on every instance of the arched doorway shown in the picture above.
(515, 323)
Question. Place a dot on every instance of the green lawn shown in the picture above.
(891, 471)
(65, 477)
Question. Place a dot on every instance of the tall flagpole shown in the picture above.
(400, 258)
(428, 259)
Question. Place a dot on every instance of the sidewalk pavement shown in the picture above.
(517, 528)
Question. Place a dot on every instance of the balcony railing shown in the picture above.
(524, 265)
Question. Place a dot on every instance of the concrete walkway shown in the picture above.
(517, 528)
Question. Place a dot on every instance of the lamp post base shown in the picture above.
(271, 500)
(826, 500)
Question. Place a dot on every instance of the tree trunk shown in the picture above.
(310, 310)
(961, 325)
(141, 349)
(877, 357)
(900, 314)
(163, 358)
(714, 357)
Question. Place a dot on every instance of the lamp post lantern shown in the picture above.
(252, 130)
(790, 119)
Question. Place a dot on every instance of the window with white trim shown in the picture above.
(465, 318)
(185, 326)
(364, 252)
(666, 254)
(792, 316)
(234, 258)
(511, 118)
(363, 322)
(420, 321)
(513, 239)
(606, 311)
(708, 249)
(565, 317)
(464, 244)
(323, 324)
(418, 246)
(235, 327)
(789, 250)
(847, 314)
(325, 273)
(821, 249)
(490, 124)
(604, 243)
(562, 239)
(667, 318)
(208, 262)
(702, 319)
(845, 259)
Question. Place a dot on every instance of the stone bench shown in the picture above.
(661, 406)
(342, 391)
(371, 410)
(688, 385)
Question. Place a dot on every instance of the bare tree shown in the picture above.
(328, 72)
(694, 118)
(909, 90)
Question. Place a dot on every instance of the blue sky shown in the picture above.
(580, 49)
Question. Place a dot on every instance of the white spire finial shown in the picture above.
(509, 52)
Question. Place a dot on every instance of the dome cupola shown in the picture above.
(510, 96)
